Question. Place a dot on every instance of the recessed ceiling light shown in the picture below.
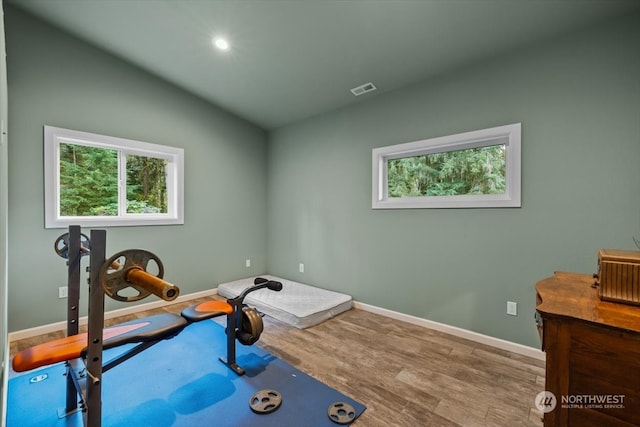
(221, 43)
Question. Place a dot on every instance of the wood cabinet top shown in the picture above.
(571, 295)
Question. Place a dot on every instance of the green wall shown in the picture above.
(578, 99)
(303, 192)
(54, 79)
(4, 191)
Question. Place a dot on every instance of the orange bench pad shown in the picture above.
(221, 307)
(206, 310)
(63, 349)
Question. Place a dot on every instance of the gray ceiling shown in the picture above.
(292, 59)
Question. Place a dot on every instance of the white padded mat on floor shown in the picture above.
(297, 304)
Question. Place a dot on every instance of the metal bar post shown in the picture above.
(73, 285)
(95, 329)
(232, 325)
(73, 301)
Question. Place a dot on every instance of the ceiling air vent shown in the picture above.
(367, 87)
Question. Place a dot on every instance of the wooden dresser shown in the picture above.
(593, 354)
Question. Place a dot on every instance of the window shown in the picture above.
(97, 180)
(472, 169)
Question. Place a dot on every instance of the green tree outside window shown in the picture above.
(471, 171)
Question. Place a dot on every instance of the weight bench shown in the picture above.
(126, 270)
(145, 332)
(140, 331)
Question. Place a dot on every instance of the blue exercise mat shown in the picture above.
(181, 382)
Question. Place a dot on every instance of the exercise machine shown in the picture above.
(127, 276)
(243, 323)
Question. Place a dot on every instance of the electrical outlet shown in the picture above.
(247, 263)
(512, 308)
(301, 268)
(63, 292)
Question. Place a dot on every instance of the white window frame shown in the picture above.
(54, 136)
(509, 135)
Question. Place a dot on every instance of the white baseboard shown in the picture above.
(452, 330)
(458, 332)
(61, 326)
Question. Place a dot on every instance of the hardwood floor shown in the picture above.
(405, 374)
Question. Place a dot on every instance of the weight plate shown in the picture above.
(113, 274)
(341, 413)
(265, 401)
(251, 326)
(61, 245)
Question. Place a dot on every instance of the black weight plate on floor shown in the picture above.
(341, 413)
(265, 401)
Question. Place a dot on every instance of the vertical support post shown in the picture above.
(73, 285)
(233, 324)
(95, 330)
(73, 301)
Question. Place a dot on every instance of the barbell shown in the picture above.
(128, 271)
(127, 276)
